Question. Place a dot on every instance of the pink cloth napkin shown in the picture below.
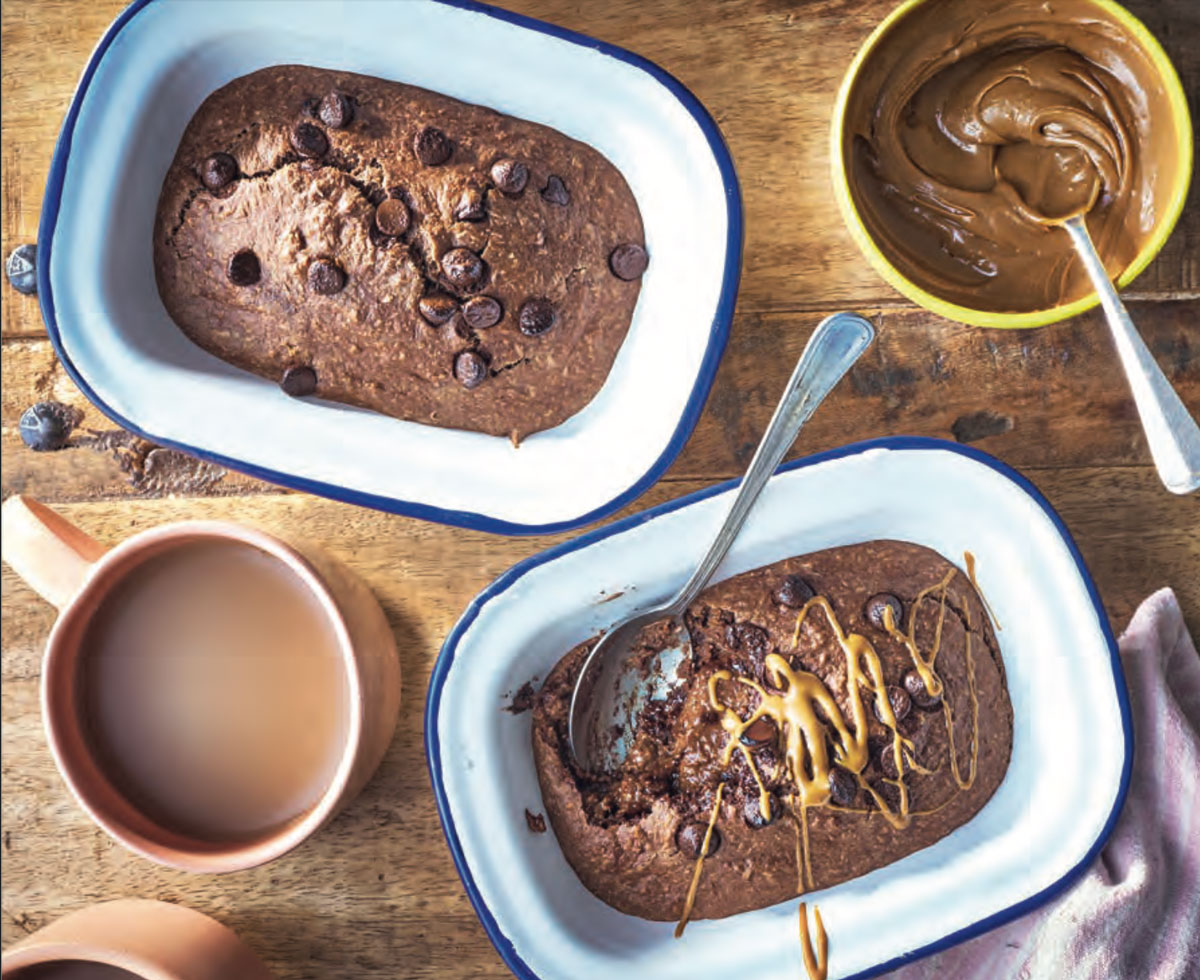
(1135, 914)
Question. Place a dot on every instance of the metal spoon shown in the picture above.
(1171, 433)
(607, 698)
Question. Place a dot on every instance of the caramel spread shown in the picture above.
(975, 124)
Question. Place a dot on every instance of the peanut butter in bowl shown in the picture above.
(962, 124)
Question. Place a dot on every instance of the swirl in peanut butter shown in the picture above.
(974, 125)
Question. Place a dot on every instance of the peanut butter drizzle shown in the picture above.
(793, 709)
(969, 559)
(926, 666)
(690, 901)
(816, 964)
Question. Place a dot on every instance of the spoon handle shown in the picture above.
(1172, 433)
(835, 345)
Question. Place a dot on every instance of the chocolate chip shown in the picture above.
(336, 110)
(470, 206)
(463, 269)
(843, 786)
(310, 141)
(325, 277)
(555, 191)
(917, 691)
(900, 701)
(885, 758)
(432, 146)
(793, 592)
(878, 603)
(218, 170)
(628, 261)
(761, 731)
(243, 268)
(299, 381)
(311, 105)
(437, 308)
(510, 176)
(470, 368)
(482, 312)
(536, 316)
(752, 810)
(391, 216)
(21, 269)
(46, 426)
(690, 839)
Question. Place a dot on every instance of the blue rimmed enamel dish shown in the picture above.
(149, 74)
(1072, 740)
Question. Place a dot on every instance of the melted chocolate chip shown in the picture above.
(760, 732)
(470, 368)
(918, 692)
(878, 603)
(243, 268)
(883, 756)
(392, 217)
(437, 308)
(752, 810)
(463, 269)
(899, 700)
(748, 638)
(218, 171)
(843, 786)
(432, 146)
(46, 426)
(690, 839)
(536, 316)
(482, 312)
(793, 592)
(510, 176)
(299, 381)
(555, 191)
(628, 261)
(310, 141)
(470, 206)
(325, 277)
(336, 110)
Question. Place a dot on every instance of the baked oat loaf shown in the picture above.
(847, 784)
(385, 246)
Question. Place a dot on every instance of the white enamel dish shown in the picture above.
(1071, 744)
(149, 74)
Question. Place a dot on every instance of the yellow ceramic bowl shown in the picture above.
(1036, 318)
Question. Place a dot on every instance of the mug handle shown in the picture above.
(49, 552)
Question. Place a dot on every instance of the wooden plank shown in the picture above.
(1047, 398)
(375, 893)
(1056, 397)
(774, 109)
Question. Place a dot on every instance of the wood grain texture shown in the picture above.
(375, 894)
(1017, 395)
(773, 107)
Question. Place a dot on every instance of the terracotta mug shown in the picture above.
(147, 940)
(76, 573)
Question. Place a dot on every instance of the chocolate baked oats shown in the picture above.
(374, 243)
(840, 710)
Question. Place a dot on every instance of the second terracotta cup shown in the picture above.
(75, 573)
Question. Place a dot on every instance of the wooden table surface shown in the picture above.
(375, 893)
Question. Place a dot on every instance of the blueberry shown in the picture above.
(21, 268)
(46, 426)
